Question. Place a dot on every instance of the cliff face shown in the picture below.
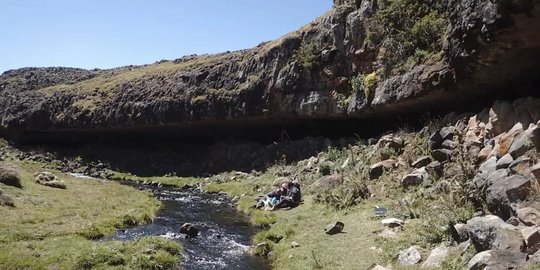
(489, 46)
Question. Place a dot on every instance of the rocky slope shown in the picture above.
(490, 48)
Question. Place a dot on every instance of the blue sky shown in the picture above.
(111, 33)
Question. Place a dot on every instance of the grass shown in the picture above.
(54, 227)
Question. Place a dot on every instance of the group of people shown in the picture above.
(287, 195)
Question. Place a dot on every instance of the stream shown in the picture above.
(224, 234)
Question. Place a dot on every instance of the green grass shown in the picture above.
(53, 227)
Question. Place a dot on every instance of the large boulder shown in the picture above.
(421, 162)
(391, 141)
(492, 233)
(525, 141)
(497, 259)
(334, 228)
(505, 191)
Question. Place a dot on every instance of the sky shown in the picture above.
(111, 33)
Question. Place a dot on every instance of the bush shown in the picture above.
(9, 176)
(325, 168)
(306, 55)
(370, 83)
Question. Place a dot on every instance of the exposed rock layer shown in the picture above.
(492, 47)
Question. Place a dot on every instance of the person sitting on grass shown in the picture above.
(291, 195)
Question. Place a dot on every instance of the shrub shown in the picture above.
(325, 168)
(9, 176)
(306, 55)
(370, 83)
(357, 83)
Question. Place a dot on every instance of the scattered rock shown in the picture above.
(421, 162)
(492, 233)
(523, 142)
(497, 259)
(447, 133)
(504, 162)
(461, 232)
(49, 179)
(295, 244)
(522, 165)
(484, 153)
(436, 257)
(529, 216)
(391, 141)
(441, 155)
(532, 239)
(435, 168)
(514, 221)
(329, 181)
(335, 228)
(417, 177)
(189, 230)
(377, 169)
(409, 256)
(449, 144)
(392, 222)
(507, 190)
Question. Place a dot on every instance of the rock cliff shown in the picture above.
(489, 48)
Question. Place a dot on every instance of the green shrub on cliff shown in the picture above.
(400, 28)
(366, 83)
(306, 55)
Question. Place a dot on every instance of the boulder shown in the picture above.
(417, 177)
(505, 191)
(295, 244)
(514, 221)
(279, 180)
(484, 153)
(461, 232)
(504, 141)
(532, 238)
(522, 165)
(442, 155)
(9, 176)
(447, 133)
(505, 161)
(334, 228)
(376, 170)
(435, 168)
(391, 141)
(436, 257)
(489, 166)
(524, 142)
(409, 256)
(529, 216)
(421, 162)
(329, 181)
(497, 259)
(449, 144)
(492, 233)
(189, 230)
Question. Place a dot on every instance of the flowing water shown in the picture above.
(224, 234)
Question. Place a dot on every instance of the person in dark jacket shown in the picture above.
(292, 195)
